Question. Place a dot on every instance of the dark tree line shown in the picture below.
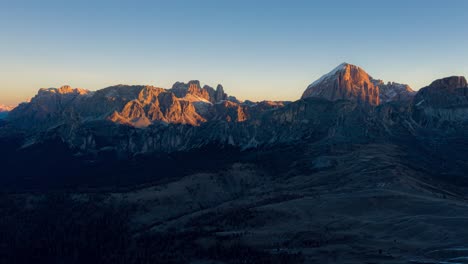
(61, 230)
(57, 229)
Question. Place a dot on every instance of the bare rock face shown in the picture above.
(444, 93)
(230, 112)
(157, 104)
(392, 91)
(449, 83)
(193, 91)
(219, 95)
(444, 100)
(350, 82)
(345, 82)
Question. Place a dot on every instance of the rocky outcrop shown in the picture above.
(392, 91)
(219, 94)
(156, 104)
(443, 102)
(230, 112)
(193, 89)
(443, 93)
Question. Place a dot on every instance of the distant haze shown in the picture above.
(256, 49)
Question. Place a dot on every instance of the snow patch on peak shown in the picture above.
(342, 67)
(195, 98)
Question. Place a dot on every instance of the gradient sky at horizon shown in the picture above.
(256, 49)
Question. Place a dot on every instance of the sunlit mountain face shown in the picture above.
(5, 108)
(358, 170)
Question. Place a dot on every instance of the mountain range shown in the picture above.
(357, 170)
(345, 103)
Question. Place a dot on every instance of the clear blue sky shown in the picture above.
(256, 49)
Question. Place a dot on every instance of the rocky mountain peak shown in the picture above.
(191, 85)
(351, 82)
(443, 101)
(345, 82)
(348, 67)
(193, 90)
(446, 92)
(450, 83)
(195, 84)
(219, 94)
